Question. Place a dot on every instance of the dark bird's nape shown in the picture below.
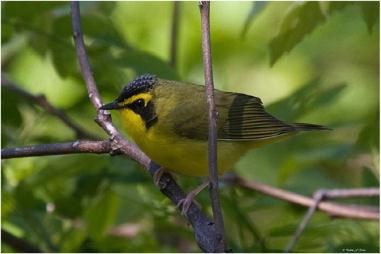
(309, 127)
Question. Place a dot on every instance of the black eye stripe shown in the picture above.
(147, 113)
(139, 103)
(136, 105)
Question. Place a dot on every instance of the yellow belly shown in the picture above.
(188, 157)
(183, 155)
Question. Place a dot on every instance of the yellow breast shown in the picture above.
(177, 154)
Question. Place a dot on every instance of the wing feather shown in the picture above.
(240, 117)
(248, 120)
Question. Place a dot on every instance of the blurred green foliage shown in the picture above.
(325, 70)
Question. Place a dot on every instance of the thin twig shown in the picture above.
(212, 116)
(328, 194)
(347, 211)
(41, 101)
(103, 118)
(350, 193)
(80, 146)
(174, 34)
(82, 57)
(204, 229)
(318, 197)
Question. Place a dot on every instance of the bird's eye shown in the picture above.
(139, 103)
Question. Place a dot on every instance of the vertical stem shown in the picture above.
(212, 140)
(82, 56)
(174, 34)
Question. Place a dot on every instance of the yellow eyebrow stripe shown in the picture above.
(145, 96)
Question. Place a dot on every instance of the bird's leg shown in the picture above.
(157, 175)
(187, 201)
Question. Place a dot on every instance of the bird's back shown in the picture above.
(240, 117)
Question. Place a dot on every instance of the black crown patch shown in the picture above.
(140, 84)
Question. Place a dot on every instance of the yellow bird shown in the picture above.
(168, 120)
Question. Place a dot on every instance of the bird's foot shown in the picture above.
(157, 176)
(187, 201)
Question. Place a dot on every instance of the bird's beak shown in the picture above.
(111, 106)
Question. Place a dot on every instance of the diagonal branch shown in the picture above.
(212, 116)
(318, 197)
(204, 229)
(41, 101)
(325, 194)
(103, 118)
(82, 57)
(346, 211)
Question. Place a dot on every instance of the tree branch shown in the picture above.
(204, 229)
(82, 57)
(350, 193)
(346, 211)
(103, 118)
(174, 34)
(318, 197)
(80, 146)
(41, 101)
(324, 194)
(212, 116)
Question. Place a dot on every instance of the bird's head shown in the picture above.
(136, 98)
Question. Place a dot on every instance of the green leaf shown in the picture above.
(305, 99)
(68, 206)
(10, 109)
(299, 22)
(369, 137)
(335, 6)
(7, 32)
(102, 31)
(369, 179)
(142, 62)
(72, 240)
(110, 77)
(370, 13)
(257, 8)
(7, 203)
(101, 214)
(29, 10)
(26, 200)
(304, 18)
(63, 54)
(61, 168)
(283, 230)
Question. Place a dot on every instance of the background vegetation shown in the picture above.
(309, 62)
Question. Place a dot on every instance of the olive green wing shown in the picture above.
(246, 119)
(240, 117)
(185, 111)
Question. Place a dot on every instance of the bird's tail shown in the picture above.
(309, 127)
